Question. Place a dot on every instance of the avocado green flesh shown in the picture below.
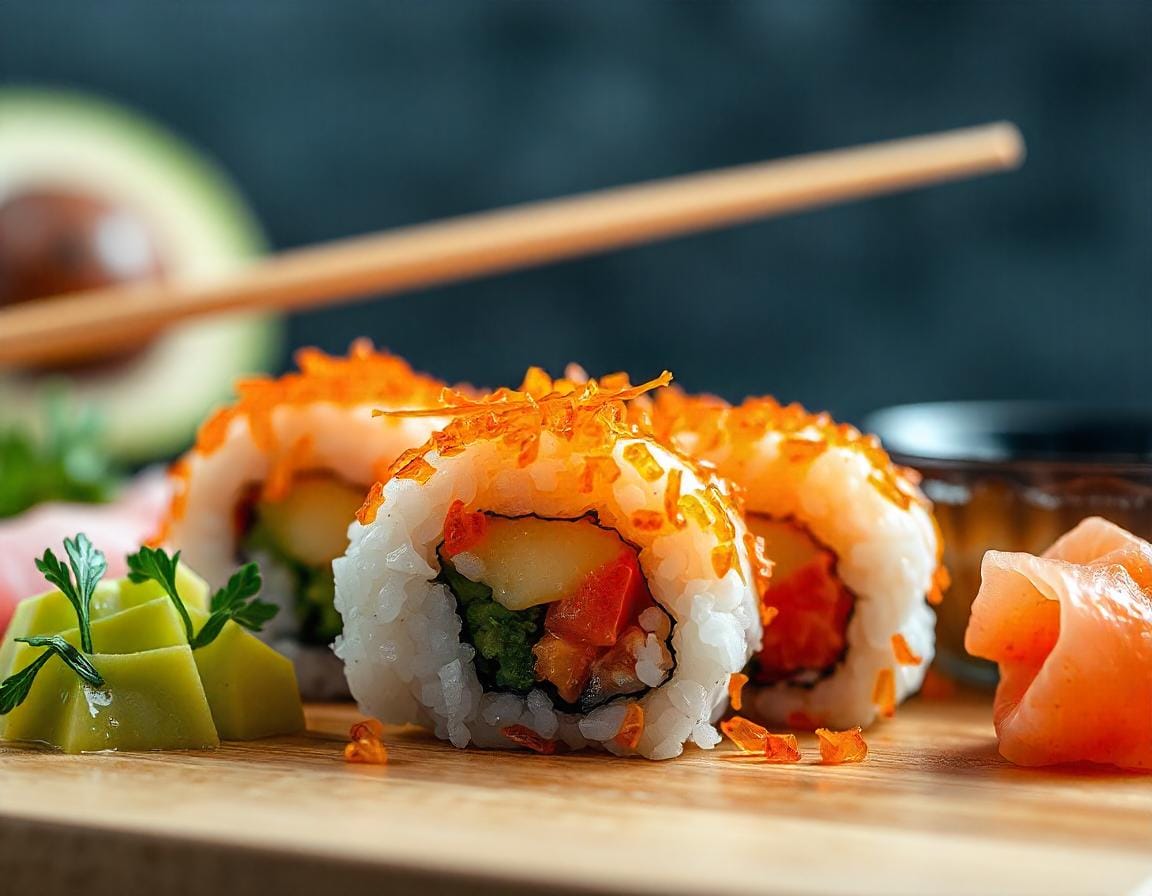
(313, 587)
(503, 638)
(158, 694)
(152, 700)
(250, 687)
(80, 144)
(51, 613)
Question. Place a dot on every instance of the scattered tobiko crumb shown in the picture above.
(755, 740)
(904, 654)
(746, 735)
(736, 690)
(781, 748)
(631, 728)
(838, 747)
(526, 737)
(366, 747)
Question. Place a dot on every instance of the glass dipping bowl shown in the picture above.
(1014, 476)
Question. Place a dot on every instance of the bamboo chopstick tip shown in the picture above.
(1010, 148)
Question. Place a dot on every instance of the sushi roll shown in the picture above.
(855, 553)
(278, 476)
(541, 574)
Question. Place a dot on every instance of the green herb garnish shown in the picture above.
(234, 602)
(15, 689)
(88, 565)
(503, 638)
(237, 602)
(67, 464)
(153, 564)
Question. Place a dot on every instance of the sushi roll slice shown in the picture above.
(541, 574)
(855, 552)
(278, 476)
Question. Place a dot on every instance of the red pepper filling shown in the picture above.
(588, 579)
(808, 635)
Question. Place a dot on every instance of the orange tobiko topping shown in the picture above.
(648, 520)
(838, 747)
(286, 466)
(366, 728)
(903, 652)
(366, 747)
(412, 465)
(884, 693)
(941, 580)
(746, 735)
(366, 515)
(672, 498)
(631, 728)
(598, 470)
(462, 529)
(364, 377)
(723, 559)
(638, 455)
(736, 684)
(781, 748)
(714, 429)
(524, 736)
(694, 511)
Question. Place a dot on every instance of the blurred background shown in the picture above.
(340, 118)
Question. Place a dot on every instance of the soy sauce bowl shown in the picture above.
(1014, 476)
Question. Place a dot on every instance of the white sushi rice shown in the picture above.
(887, 556)
(345, 441)
(402, 648)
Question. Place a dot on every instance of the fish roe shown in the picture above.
(638, 455)
(837, 747)
(416, 469)
(781, 748)
(366, 747)
(746, 735)
(631, 728)
(524, 736)
(903, 652)
(366, 515)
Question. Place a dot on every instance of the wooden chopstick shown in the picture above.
(58, 328)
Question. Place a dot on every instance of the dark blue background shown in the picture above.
(344, 117)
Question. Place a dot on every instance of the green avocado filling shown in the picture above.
(314, 588)
(503, 638)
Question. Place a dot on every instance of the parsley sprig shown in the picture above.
(15, 689)
(235, 602)
(88, 565)
(155, 565)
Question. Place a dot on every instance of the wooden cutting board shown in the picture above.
(932, 810)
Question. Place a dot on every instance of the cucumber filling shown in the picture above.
(295, 538)
(560, 605)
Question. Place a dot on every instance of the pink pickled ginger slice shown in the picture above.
(117, 529)
(1072, 633)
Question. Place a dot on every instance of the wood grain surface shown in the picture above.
(932, 810)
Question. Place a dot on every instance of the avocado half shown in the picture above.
(150, 401)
